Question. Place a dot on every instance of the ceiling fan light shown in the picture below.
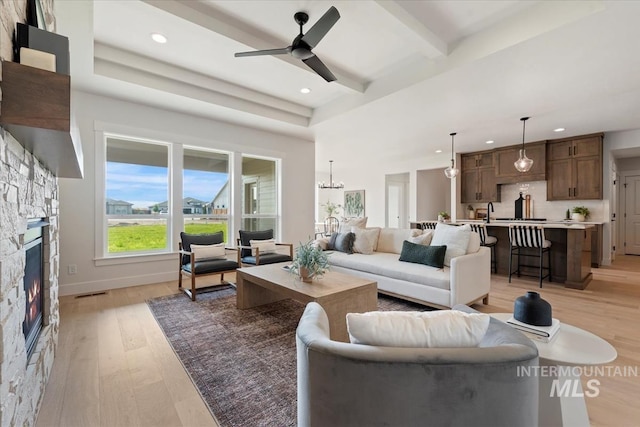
(523, 164)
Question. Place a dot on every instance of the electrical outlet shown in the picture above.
(72, 269)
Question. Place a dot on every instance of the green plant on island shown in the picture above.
(310, 261)
(584, 211)
(444, 214)
(469, 207)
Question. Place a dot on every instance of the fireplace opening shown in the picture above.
(33, 283)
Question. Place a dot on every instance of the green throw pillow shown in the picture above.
(422, 254)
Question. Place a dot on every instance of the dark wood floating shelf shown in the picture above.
(36, 110)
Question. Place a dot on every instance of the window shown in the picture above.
(205, 188)
(259, 194)
(137, 196)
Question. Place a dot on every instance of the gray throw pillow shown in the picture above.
(342, 242)
(420, 254)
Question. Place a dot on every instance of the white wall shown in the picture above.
(77, 197)
(433, 194)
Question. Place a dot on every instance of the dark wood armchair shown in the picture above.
(249, 255)
(202, 255)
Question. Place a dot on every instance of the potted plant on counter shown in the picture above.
(580, 213)
(471, 213)
(443, 216)
(310, 261)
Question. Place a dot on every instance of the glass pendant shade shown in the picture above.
(523, 164)
(451, 171)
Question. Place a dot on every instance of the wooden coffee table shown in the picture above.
(337, 293)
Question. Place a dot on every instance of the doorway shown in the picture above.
(631, 192)
(397, 200)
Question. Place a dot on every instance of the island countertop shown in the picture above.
(575, 225)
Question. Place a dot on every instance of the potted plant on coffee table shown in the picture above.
(309, 262)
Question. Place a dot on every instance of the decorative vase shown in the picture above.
(440, 218)
(577, 217)
(472, 214)
(305, 275)
(532, 309)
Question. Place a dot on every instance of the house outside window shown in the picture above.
(259, 194)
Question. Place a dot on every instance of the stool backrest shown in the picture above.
(429, 225)
(526, 236)
(481, 229)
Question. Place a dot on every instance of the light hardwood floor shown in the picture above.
(114, 366)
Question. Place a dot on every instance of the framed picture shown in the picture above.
(481, 213)
(354, 203)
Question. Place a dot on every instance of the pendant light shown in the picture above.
(332, 185)
(451, 171)
(523, 164)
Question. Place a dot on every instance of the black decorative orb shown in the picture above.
(532, 309)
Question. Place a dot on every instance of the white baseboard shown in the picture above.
(81, 288)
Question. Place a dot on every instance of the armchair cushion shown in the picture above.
(269, 258)
(414, 329)
(211, 266)
(247, 236)
(208, 252)
(198, 239)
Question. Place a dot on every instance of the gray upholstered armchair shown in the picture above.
(342, 384)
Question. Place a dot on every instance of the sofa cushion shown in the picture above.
(421, 254)
(436, 329)
(387, 264)
(342, 242)
(208, 252)
(366, 240)
(456, 238)
(422, 239)
(347, 223)
(390, 239)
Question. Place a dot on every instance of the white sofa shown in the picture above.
(465, 281)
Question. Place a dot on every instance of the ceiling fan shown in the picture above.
(303, 44)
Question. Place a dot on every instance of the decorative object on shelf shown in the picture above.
(34, 38)
(310, 262)
(332, 185)
(331, 208)
(443, 216)
(354, 203)
(482, 213)
(523, 164)
(568, 214)
(532, 309)
(580, 213)
(451, 171)
(518, 207)
(471, 212)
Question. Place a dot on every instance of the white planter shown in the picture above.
(577, 217)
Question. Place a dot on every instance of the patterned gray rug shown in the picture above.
(243, 362)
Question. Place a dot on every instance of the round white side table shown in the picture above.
(560, 393)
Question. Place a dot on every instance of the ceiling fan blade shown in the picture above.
(322, 27)
(282, 51)
(316, 65)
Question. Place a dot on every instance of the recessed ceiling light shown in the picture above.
(305, 90)
(490, 141)
(158, 38)
(438, 151)
(559, 130)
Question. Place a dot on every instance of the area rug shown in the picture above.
(243, 362)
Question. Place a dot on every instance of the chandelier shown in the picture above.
(331, 185)
(451, 172)
(523, 164)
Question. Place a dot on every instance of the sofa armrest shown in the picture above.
(470, 276)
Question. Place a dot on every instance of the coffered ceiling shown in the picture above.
(408, 72)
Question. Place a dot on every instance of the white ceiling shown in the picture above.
(409, 72)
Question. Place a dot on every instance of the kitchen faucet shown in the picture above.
(489, 205)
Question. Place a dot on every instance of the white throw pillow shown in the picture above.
(366, 240)
(436, 329)
(347, 223)
(391, 239)
(266, 246)
(474, 243)
(208, 252)
(321, 243)
(422, 239)
(455, 237)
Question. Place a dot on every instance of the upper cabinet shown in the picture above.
(36, 111)
(506, 173)
(479, 178)
(574, 168)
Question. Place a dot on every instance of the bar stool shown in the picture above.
(429, 225)
(529, 236)
(488, 241)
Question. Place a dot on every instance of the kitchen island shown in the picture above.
(575, 248)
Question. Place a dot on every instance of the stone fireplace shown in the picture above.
(33, 283)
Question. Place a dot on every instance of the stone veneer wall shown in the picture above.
(27, 190)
